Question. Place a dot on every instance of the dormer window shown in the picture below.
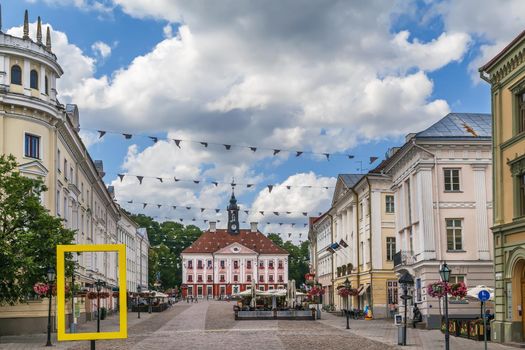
(16, 75)
(33, 79)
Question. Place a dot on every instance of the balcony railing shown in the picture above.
(404, 257)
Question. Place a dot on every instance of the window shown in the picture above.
(65, 208)
(190, 264)
(261, 288)
(418, 290)
(71, 174)
(521, 184)
(65, 168)
(190, 278)
(249, 264)
(235, 278)
(33, 79)
(281, 278)
(209, 264)
(261, 264)
(520, 122)
(248, 278)
(46, 86)
(456, 279)
(270, 278)
(261, 279)
(509, 300)
(223, 264)
(32, 146)
(16, 75)
(270, 287)
(389, 203)
(280, 264)
(221, 278)
(454, 241)
(58, 160)
(58, 203)
(270, 264)
(235, 264)
(451, 180)
(199, 264)
(390, 248)
(199, 278)
(392, 292)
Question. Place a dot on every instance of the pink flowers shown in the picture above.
(439, 289)
(344, 292)
(42, 289)
(316, 291)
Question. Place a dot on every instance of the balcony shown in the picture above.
(404, 257)
(397, 259)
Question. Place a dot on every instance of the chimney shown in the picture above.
(253, 226)
(99, 166)
(213, 226)
(111, 190)
(73, 115)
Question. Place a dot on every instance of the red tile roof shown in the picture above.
(210, 242)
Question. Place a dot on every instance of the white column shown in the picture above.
(426, 212)
(482, 227)
(25, 79)
(376, 238)
(42, 80)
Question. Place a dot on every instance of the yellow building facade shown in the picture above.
(43, 135)
(506, 75)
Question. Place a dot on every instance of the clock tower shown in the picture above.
(233, 215)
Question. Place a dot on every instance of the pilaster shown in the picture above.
(426, 212)
(26, 77)
(482, 227)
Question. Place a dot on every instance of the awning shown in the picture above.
(362, 290)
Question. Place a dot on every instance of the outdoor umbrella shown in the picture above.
(472, 293)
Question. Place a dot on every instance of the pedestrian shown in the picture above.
(416, 316)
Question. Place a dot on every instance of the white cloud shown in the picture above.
(101, 49)
(89, 138)
(168, 31)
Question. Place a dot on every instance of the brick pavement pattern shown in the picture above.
(210, 324)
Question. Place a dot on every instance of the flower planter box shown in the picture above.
(476, 331)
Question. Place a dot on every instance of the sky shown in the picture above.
(340, 77)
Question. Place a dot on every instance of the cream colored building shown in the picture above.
(506, 74)
(441, 179)
(43, 136)
(320, 239)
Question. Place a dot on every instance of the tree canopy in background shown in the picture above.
(28, 234)
(297, 261)
(167, 239)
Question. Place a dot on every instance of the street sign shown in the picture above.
(483, 295)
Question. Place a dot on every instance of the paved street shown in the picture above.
(206, 324)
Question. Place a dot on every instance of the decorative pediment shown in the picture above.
(33, 169)
(340, 190)
(236, 248)
(517, 165)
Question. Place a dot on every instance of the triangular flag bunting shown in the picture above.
(127, 136)
(373, 159)
(298, 153)
(144, 205)
(288, 187)
(289, 235)
(293, 224)
(246, 211)
(121, 176)
(196, 181)
(228, 147)
(174, 207)
(202, 209)
(275, 151)
(140, 179)
(205, 221)
(270, 188)
(280, 224)
(327, 155)
(154, 139)
(305, 225)
(288, 212)
(205, 144)
(188, 208)
(159, 205)
(253, 149)
(262, 212)
(276, 213)
(101, 133)
(215, 183)
(160, 179)
(217, 210)
(350, 156)
(176, 180)
(177, 142)
(249, 185)
(305, 213)
(130, 202)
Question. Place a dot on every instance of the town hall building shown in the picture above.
(223, 262)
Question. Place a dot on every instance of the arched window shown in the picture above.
(46, 87)
(33, 79)
(16, 75)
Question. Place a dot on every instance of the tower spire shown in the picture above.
(26, 25)
(48, 39)
(39, 31)
(233, 214)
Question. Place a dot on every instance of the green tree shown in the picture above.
(28, 234)
(167, 239)
(297, 260)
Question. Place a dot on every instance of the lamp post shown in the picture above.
(139, 290)
(347, 286)
(50, 279)
(444, 272)
(98, 286)
(405, 281)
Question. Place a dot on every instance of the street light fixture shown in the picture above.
(347, 286)
(139, 290)
(405, 281)
(50, 279)
(444, 272)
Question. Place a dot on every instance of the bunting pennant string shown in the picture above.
(247, 211)
(275, 150)
(140, 178)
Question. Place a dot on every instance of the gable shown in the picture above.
(340, 190)
(236, 248)
(32, 169)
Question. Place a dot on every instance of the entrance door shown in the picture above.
(199, 291)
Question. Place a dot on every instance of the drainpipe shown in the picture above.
(436, 179)
(370, 247)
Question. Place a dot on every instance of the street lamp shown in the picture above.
(444, 272)
(139, 290)
(405, 281)
(50, 279)
(347, 286)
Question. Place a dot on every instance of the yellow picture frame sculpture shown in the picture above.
(61, 300)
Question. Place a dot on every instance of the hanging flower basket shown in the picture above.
(316, 291)
(41, 289)
(345, 292)
(458, 290)
(115, 294)
(91, 295)
(437, 289)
